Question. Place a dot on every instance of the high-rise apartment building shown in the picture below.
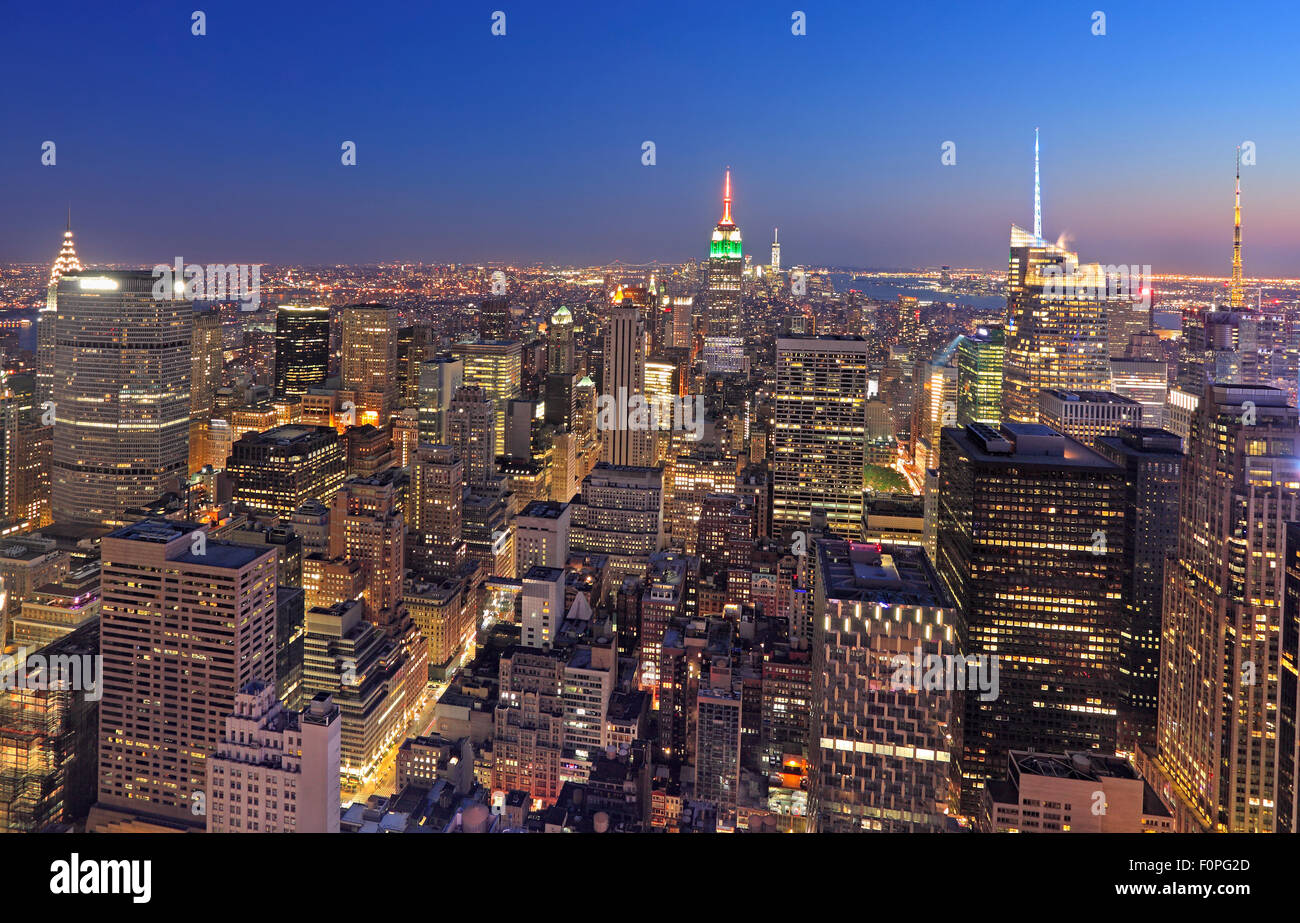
(819, 443)
(717, 751)
(186, 622)
(121, 395)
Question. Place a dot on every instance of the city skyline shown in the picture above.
(853, 178)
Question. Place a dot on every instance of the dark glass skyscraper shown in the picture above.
(302, 344)
(1029, 543)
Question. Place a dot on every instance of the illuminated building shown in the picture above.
(496, 367)
(1145, 381)
(1179, 411)
(1153, 461)
(786, 689)
(979, 376)
(542, 606)
(26, 445)
(1054, 339)
(280, 469)
(367, 529)
(375, 677)
(207, 360)
(369, 449)
(66, 263)
(561, 368)
(542, 535)
(489, 533)
(1087, 415)
(1030, 545)
(302, 345)
(623, 379)
(688, 479)
(1236, 299)
(48, 738)
(819, 444)
(619, 514)
(161, 593)
(439, 379)
(883, 752)
(436, 544)
(414, 345)
(370, 360)
(494, 319)
(444, 611)
(471, 431)
(775, 265)
(528, 732)
(58, 608)
(725, 273)
(329, 581)
(717, 751)
(1054, 793)
(26, 564)
(275, 770)
(936, 407)
(121, 394)
(589, 680)
(1217, 737)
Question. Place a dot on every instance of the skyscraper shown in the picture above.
(370, 360)
(1153, 461)
(1237, 299)
(1055, 339)
(725, 273)
(819, 444)
(471, 431)
(121, 394)
(302, 347)
(64, 264)
(436, 542)
(207, 360)
(496, 366)
(979, 376)
(279, 470)
(1217, 737)
(186, 622)
(1030, 541)
(439, 379)
(624, 378)
(367, 529)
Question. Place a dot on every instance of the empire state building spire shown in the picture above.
(726, 200)
(1236, 298)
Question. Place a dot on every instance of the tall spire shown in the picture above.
(1038, 194)
(726, 200)
(1236, 299)
(66, 262)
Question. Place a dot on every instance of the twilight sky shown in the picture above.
(527, 147)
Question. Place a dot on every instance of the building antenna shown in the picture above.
(1038, 194)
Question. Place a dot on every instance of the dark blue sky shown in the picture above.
(527, 147)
